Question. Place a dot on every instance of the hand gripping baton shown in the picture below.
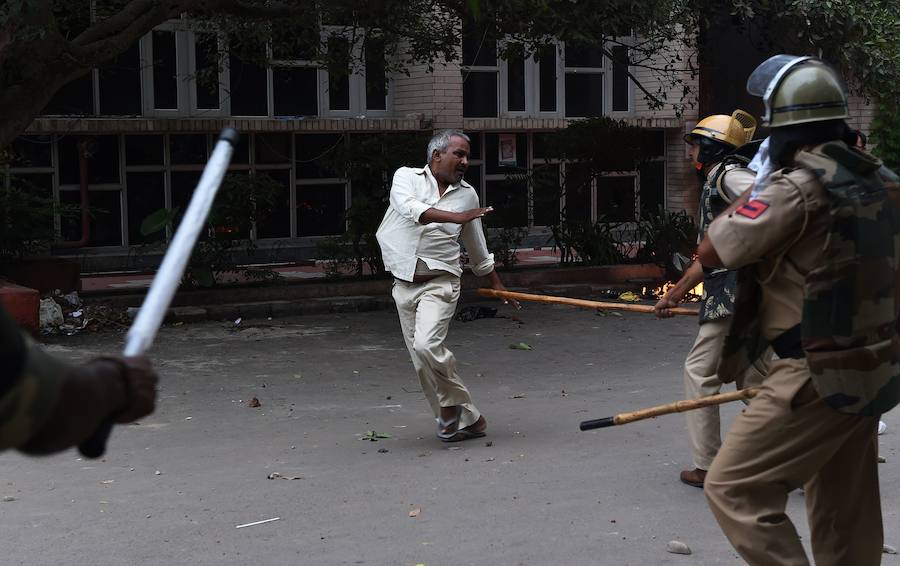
(669, 408)
(149, 318)
(583, 303)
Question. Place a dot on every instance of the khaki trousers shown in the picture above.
(426, 310)
(701, 380)
(785, 439)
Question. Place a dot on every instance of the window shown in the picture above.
(577, 193)
(350, 88)
(616, 198)
(620, 81)
(480, 72)
(574, 81)
(548, 78)
(247, 86)
(652, 192)
(105, 187)
(537, 189)
(339, 78)
(294, 91)
(292, 83)
(376, 75)
(584, 80)
(175, 71)
(595, 84)
(505, 179)
(272, 156)
(206, 84)
(31, 171)
(295, 77)
(146, 194)
(183, 75)
(322, 195)
(164, 61)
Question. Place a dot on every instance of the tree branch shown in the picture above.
(92, 54)
(250, 10)
(118, 22)
(650, 96)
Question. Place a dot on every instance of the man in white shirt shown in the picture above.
(430, 209)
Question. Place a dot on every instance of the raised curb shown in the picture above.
(371, 295)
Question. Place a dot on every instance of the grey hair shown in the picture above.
(440, 141)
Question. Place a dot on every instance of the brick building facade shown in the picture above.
(152, 123)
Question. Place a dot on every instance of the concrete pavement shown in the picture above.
(534, 492)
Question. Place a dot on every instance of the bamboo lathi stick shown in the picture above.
(669, 408)
(583, 303)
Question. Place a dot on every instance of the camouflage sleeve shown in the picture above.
(29, 386)
(763, 226)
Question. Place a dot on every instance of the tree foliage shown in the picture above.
(860, 37)
(886, 135)
(45, 44)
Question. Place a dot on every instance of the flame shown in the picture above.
(693, 295)
(698, 291)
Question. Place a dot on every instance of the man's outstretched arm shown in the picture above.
(437, 215)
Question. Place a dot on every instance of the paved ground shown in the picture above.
(539, 492)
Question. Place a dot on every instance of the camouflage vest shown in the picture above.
(850, 306)
(718, 284)
(713, 200)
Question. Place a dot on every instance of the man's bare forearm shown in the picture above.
(691, 278)
(707, 254)
(438, 215)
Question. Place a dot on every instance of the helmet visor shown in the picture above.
(763, 76)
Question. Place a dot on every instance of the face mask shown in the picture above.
(763, 166)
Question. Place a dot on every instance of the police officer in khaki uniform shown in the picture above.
(725, 177)
(47, 405)
(793, 434)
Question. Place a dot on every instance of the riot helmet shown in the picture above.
(798, 90)
(719, 135)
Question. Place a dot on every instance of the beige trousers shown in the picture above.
(785, 439)
(426, 310)
(701, 380)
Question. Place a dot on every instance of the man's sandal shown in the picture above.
(448, 430)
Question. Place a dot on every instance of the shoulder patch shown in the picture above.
(753, 209)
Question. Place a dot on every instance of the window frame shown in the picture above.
(495, 69)
(532, 87)
(602, 71)
(533, 83)
(186, 75)
(59, 188)
(358, 105)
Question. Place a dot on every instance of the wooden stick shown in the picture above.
(647, 309)
(676, 407)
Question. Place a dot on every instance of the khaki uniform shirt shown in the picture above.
(782, 231)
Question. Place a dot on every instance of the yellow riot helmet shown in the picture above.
(798, 90)
(719, 134)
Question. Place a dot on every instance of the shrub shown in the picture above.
(663, 233)
(242, 200)
(886, 134)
